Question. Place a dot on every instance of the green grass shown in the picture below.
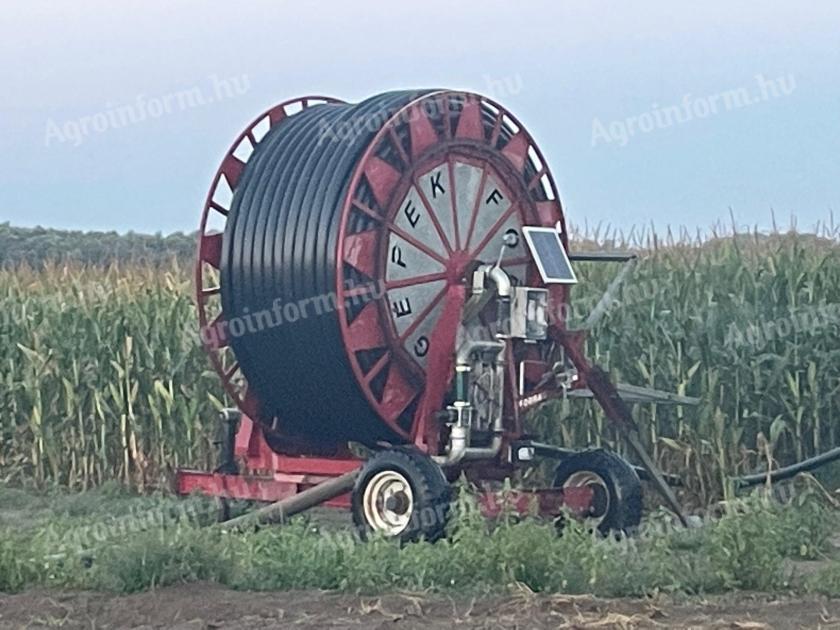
(748, 547)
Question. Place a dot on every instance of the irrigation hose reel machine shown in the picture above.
(395, 274)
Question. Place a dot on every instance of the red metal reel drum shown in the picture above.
(433, 193)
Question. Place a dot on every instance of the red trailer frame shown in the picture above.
(270, 477)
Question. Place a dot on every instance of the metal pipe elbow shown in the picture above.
(502, 281)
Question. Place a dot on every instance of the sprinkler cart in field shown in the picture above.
(395, 274)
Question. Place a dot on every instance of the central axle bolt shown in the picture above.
(397, 503)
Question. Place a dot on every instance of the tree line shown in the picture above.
(38, 246)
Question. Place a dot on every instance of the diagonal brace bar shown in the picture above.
(616, 410)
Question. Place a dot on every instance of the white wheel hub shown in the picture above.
(388, 503)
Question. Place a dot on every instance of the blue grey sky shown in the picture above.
(639, 107)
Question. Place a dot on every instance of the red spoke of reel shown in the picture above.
(359, 291)
(410, 282)
(366, 330)
(548, 212)
(382, 178)
(421, 131)
(476, 207)
(452, 194)
(360, 251)
(398, 145)
(516, 151)
(423, 315)
(469, 123)
(447, 126)
(496, 226)
(250, 405)
(211, 249)
(223, 211)
(214, 335)
(418, 244)
(380, 364)
(536, 179)
(233, 369)
(433, 216)
(232, 169)
(367, 210)
(276, 115)
(397, 394)
(497, 130)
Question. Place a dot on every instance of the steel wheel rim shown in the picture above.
(601, 500)
(386, 487)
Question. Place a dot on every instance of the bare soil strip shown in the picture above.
(210, 606)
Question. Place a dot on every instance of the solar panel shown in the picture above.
(551, 257)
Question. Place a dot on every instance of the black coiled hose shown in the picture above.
(279, 248)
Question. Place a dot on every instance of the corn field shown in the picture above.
(103, 377)
(750, 324)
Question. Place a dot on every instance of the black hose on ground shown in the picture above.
(780, 474)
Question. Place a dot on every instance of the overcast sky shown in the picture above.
(639, 107)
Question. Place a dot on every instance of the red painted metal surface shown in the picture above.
(252, 448)
(406, 386)
(426, 431)
(546, 502)
(268, 476)
(535, 201)
(251, 487)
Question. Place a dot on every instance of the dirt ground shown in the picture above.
(211, 606)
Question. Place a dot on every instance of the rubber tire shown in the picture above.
(222, 510)
(623, 486)
(432, 493)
